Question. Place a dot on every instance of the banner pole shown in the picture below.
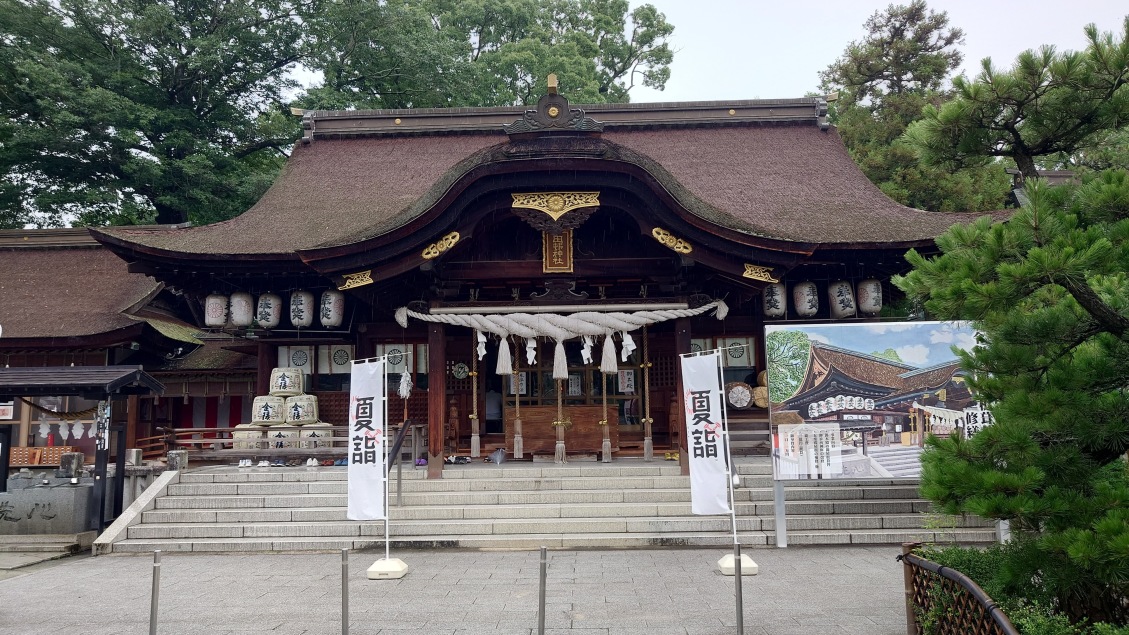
(384, 451)
(728, 453)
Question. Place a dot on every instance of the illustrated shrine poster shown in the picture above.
(366, 440)
(857, 400)
(709, 475)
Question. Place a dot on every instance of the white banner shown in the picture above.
(366, 441)
(705, 428)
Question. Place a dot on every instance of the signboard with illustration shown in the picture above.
(857, 400)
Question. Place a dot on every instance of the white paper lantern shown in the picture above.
(868, 404)
(302, 309)
(774, 300)
(805, 298)
(215, 310)
(332, 308)
(242, 309)
(842, 298)
(269, 313)
(813, 410)
(870, 296)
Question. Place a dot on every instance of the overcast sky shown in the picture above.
(754, 49)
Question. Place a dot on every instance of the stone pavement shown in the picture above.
(800, 590)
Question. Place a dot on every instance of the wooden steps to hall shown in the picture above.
(517, 505)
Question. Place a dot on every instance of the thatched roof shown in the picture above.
(66, 292)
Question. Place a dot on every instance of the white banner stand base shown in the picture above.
(391, 569)
(748, 567)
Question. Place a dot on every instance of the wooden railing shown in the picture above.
(943, 601)
(219, 443)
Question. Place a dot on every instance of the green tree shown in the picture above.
(787, 355)
(1049, 292)
(889, 354)
(139, 110)
(884, 81)
(435, 53)
(1048, 103)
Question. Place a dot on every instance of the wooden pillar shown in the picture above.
(133, 406)
(267, 355)
(436, 397)
(677, 417)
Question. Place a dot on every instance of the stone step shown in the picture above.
(330, 493)
(477, 527)
(752, 539)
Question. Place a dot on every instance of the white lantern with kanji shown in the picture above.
(242, 309)
(302, 309)
(269, 312)
(870, 296)
(332, 308)
(842, 298)
(215, 310)
(805, 299)
(774, 300)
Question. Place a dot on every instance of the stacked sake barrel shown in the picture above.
(288, 405)
(760, 393)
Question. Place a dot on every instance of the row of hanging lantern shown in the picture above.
(243, 310)
(842, 300)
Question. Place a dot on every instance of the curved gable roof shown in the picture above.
(782, 179)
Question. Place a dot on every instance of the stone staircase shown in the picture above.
(749, 433)
(898, 461)
(521, 505)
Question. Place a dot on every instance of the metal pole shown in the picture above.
(399, 477)
(541, 594)
(781, 517)
(344, 592)
(737, 588)
(156, 594)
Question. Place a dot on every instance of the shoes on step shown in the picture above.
(264, 464)
(667, 456)
(311, 462)
(341, 462)
(278, 463)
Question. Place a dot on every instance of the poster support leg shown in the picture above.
(781, 517)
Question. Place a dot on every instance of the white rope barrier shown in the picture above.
(584, 324)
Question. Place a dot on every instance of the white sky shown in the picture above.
(754, 49)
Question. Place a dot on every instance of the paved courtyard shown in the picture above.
(800, 590)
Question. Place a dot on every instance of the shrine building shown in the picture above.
(546, 265)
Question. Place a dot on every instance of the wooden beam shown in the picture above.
(681, 345)
(436, 397)
(267, 356)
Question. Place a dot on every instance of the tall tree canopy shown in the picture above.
(1049, 292)
(140, 110)
(128, 111)
(884, 82)
(1048, 103)
(436, 53)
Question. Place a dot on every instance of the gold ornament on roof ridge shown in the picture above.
(670, 240)
(556, 204)
(443, 244)
(758, 272)
(359, 279)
